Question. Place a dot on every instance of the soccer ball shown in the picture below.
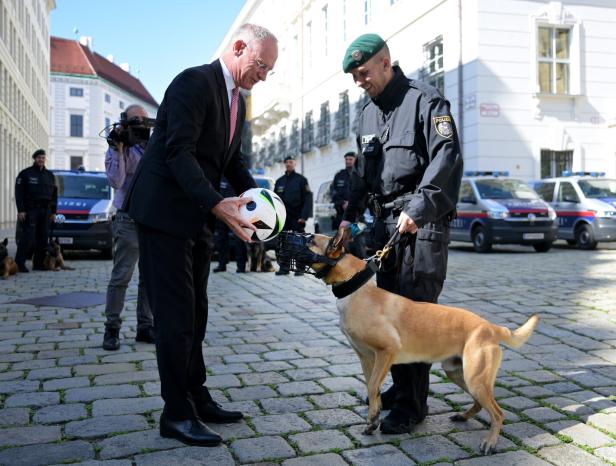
(266, 212)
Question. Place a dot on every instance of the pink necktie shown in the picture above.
(235, 94)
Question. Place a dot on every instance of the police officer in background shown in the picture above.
(295, 193)
(340, 189)
(36, 196)
(409, 155)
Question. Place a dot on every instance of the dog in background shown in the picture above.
(7, 265)
(385, 329)
(53, 257)
(257, 258)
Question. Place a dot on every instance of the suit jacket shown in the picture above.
(178, 179)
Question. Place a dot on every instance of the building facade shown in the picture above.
(24, 91)
(88, 94)
(530, 81)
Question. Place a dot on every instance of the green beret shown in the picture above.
(361, 50)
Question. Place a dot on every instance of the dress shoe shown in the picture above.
(220, 268)
(111, 339)
(240, 271)
(299, 274)
(189, 431)
(22, 268)
(39, 267)
(387, 398)
(145, 335)
(213, 412)
(282, 272)
(397, 422)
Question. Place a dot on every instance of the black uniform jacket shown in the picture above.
(35, 187)
(178, 179)
(408, 143)
(340, 189)
(295, 193)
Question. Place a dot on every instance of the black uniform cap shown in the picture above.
(288, 157)
(350, 154)
(37, 153)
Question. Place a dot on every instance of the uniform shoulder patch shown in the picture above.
(443, 125)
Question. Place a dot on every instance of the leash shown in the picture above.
(382, 254)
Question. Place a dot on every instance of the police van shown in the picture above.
(495, 209)
(85, 211)
(585, 203)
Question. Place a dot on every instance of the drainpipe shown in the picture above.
(460, 79)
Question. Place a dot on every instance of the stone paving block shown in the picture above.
(543, 414)
(445, 388)
(262, 378)
(517, 402)
(604, 421)
(580, 433)
(510, 458)
(136, 442)
(135, 356)
(14, 417)
(118, 406)
(127, 377)
(286, 405)
(231, 358)
(329, 418)
(308, 373)
(432, 448)
(299, 388)
(19, 386)
(442, 424)
(88, 394)
(345, 369)
(49, 373)
(534, 391)
(221, 369)
(34, 455)
(540, 376)
(308, 362)
(103, 425)
(233, 430)
(101, 369)
(381, 455)
(473, 440)
(569, 455)
(608, 453)
(63, 384)
(530, 435)
(335, 400)
(247, 407)
(60, 413)
(376, 438)
(280, 424)
(218, 456)
(32, 399)
(262, 448)
(271, 365)
(562, 387)
(11, 375)
(339, 384)
(592, 400)
(256, 392)
(16, 436)
(223, 381)
(568, 405)
(327, 459)
(320, 441)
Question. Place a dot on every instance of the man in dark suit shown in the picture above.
(175, 199)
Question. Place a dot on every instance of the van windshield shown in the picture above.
(504, 189)
(83, 187)
(596, 189)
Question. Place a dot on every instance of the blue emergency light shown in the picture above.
(594, 174)
(486, 173)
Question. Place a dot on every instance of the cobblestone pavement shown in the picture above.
(275, 352)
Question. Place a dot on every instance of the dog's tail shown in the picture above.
(518, 337)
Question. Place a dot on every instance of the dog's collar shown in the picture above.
(356, 281)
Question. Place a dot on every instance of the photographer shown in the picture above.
(127, 142)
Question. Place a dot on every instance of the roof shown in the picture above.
(70, 57)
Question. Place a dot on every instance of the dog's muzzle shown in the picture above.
(294, 255)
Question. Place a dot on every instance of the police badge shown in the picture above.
(443, 126)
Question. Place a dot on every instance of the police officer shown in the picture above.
(36, 197)
(340, 189)
(409, 169)
(295, 193)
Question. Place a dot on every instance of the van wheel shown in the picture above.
(585, 238)
(481, 240)
(543, 247)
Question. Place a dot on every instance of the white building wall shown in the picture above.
(94, 109)
(24, 92)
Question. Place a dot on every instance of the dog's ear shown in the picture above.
(341, 238)
(5, 242)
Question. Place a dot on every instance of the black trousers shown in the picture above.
(222, 246)
(415, 269)
(176, 272)
(34, 236)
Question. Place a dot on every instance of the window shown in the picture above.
(466, 193)
(341, 127)
(366, 11)
(553, 57)
(566, 193)
(271, 151)
(324, 126)
(76, 92)
(121, 104)
(309, 44)
(107, 98)
(325, 27)
(76, 162)
(107, 126)
(359, 106)
(308, 133)
(432, 71)
(545, 190)
(554, 162)
(76, 126)
(294, 138)
(282, 144)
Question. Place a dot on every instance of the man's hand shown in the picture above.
(21, 216)
(345, 204)
(228, 210)
(406, 224)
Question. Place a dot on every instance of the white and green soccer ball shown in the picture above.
(266, 212)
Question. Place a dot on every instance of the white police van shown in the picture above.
(85, 211)
(495, 209)
(585, 203)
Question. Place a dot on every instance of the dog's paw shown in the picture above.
(487, 448)
(370, 428)
(458, 418)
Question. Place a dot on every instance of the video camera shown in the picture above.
(130, 131)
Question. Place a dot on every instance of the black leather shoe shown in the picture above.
(396, 422)
(111, 339)
(145, 335)
(213, 412)
(282, 272)
(189, 431)
(299, 274)
(39, 267)
(22, 268)
(240, 271)
(387, 397)
(220, 268)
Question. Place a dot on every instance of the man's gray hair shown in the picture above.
(253, 33)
